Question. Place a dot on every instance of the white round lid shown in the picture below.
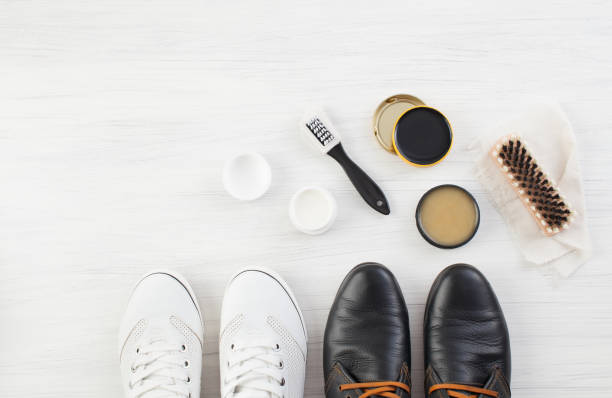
(247, 176)
(312, 210)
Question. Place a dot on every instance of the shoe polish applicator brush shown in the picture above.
(317, 129)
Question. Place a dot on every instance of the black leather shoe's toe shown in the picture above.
(466, 338)
(367, 337)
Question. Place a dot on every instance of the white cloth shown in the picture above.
(550, 139)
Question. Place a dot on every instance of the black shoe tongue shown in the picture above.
(339, 376)
(496, 382)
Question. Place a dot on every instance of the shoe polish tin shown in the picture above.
(419, 134)
(447, 216)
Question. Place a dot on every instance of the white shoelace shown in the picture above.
(254, 370)
(159, 368)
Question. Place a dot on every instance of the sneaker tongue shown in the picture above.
(157, 394)
(157, 335)
(244, 390)
(248, 393)
(248, 390)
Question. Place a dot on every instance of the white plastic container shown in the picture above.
(312, 210)
(247, 176)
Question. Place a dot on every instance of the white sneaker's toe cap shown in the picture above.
(159, 296)
(258, 294)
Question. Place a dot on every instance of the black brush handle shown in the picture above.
(367, 188)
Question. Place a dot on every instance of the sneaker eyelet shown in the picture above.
(232, 347)
(281, 365)
(282, 383)
(186, 364)
(183, 348)
(137, 350)
(188, 379)
(276, 347)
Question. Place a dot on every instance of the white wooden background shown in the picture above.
(116, 117)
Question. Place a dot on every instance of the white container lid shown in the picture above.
(312, 210)
(247, 176)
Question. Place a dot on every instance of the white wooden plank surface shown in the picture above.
(115, 118)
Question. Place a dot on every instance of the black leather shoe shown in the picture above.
(366, 349)
(467, 347)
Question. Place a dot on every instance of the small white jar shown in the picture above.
(247, 176)
(312, 210)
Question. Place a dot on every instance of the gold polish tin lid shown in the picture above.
(387, 114)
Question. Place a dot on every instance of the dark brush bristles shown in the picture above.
(534, 187)
(318, 129)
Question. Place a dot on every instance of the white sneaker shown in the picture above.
(160, 339)
(262, 344)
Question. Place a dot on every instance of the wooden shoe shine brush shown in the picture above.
(534, 187)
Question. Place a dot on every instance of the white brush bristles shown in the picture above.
(318, 130)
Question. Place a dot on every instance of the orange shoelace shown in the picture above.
(461, 387)
(382, 388)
